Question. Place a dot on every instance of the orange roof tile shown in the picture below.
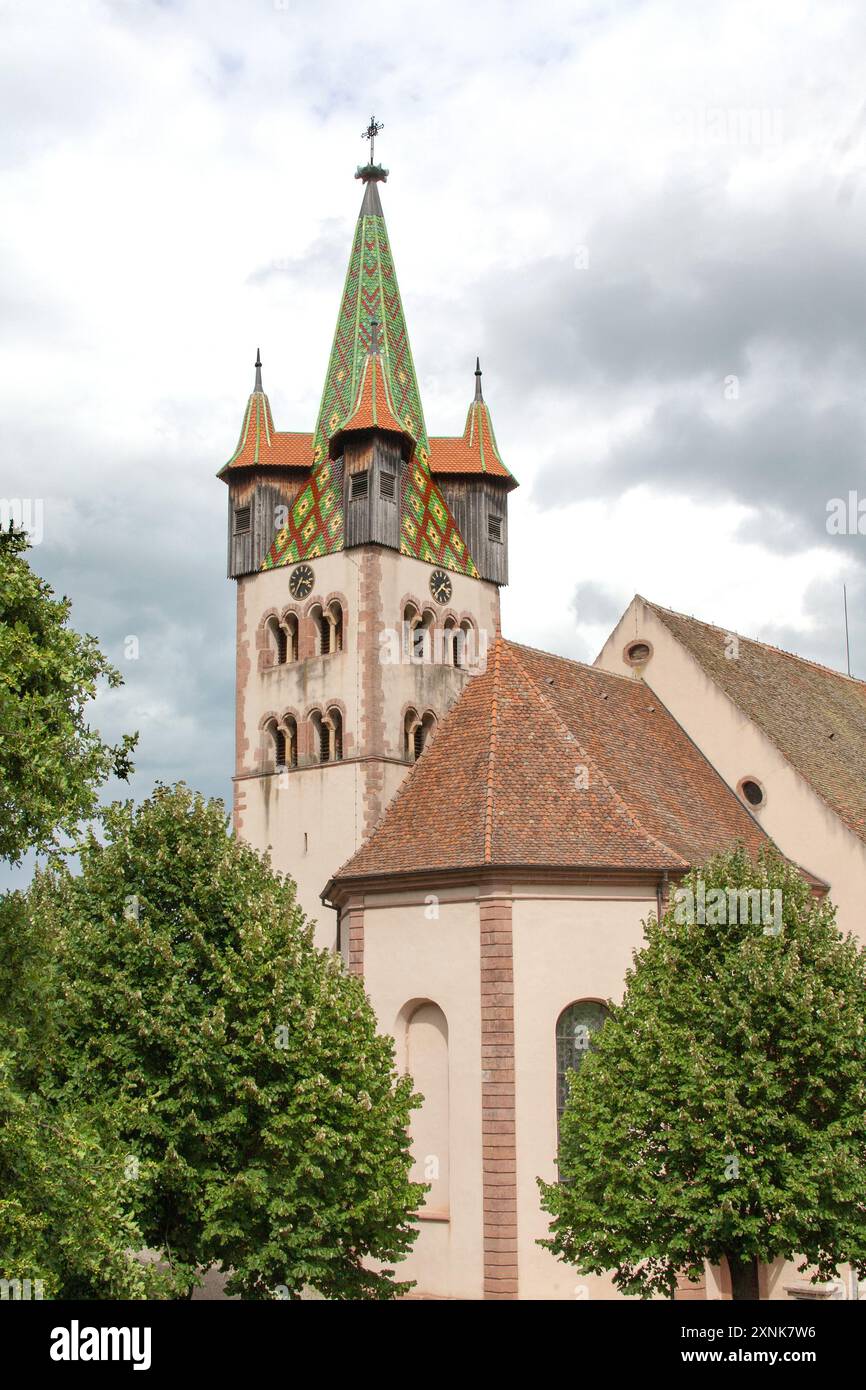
(260, 445)
(505, 771)
(373, 408)
(454, 455)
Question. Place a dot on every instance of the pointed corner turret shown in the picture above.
(478, 436)
(257, 430)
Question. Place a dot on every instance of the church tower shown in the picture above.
(368, 559)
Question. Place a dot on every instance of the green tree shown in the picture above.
(64, 1213)
(722, 1109)
(64, 1207)
(64, 1194)
(51, 762)
(241, 1065)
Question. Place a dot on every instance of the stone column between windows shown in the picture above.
(498, 1127)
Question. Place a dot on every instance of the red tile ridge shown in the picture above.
(755, 641)
(573, 661)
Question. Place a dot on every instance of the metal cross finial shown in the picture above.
(370, 134)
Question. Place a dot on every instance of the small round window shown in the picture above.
(636, 653)
(752, 792)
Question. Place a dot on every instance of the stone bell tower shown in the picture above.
(368, 559)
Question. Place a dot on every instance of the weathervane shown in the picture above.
(370, 134)
(372, 172)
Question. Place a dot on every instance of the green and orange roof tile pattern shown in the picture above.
(369, 390)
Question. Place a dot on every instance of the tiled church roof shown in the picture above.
(501, 783)
(816, 717)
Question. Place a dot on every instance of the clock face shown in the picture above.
(440, 586)
(301, 581)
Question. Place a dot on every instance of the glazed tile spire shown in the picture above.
(428, 530)
(370, 292)
(478, 434)
(257, 430)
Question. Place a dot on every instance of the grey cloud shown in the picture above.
(822, 638)
(700, 294)
(144, 559)
(594, 603)
(688, 288)
(787, 459)
(324, 261)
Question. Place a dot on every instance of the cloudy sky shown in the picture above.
(648, 219)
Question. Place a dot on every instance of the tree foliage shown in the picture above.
(51, 762)
(241, 1065)
(65, 1221)
(722, 1109)
(65, 1217)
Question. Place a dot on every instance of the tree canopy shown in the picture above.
(52, 763)
(721, 1111)
(241, 1066)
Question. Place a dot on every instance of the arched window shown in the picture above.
(335, 617)
(427, 1064)
(276, 641)
(329, 628)
(411, 617)
(416, 732)
(449, 643)
(464, 644)
(411, 722)
(283, 736)
(328, 735)
(290, 634)
(574, 1032)
(279, 738)
(321, 737)
(323, 630)
(290, 742)
(422, 646)
(334, 722)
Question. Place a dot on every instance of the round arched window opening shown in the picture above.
(752, 791)
(638, 653)
(574, 1033)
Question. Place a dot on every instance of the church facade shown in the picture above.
(480, 828)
